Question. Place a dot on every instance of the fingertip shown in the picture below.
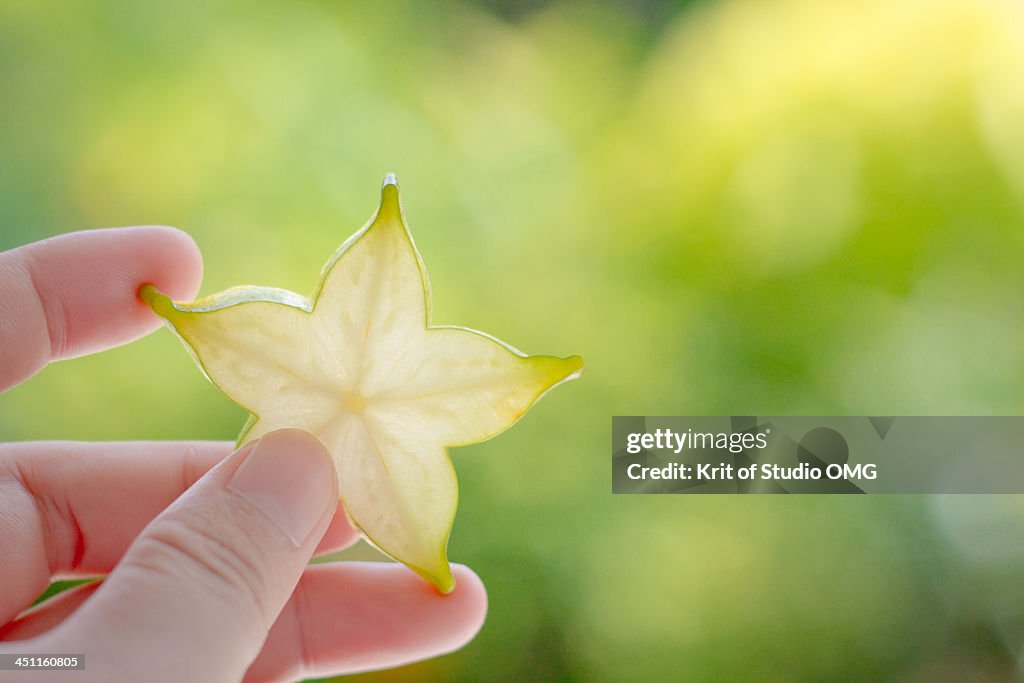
(294, 436)
(348, 617)
(289, 476)
(79, 293)
(179, 264)
(470, 605)
(158, 255)
(291, 440)
(468, 583)
(94, 278)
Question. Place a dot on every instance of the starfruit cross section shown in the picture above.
(358, 365)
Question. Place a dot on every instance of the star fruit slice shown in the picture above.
(358, 365)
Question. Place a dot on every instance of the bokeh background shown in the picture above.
(726, 207)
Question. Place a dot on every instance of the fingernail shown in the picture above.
(289, 476)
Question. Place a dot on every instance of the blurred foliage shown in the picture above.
(735, 207)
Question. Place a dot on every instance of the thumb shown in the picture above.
(198, 590)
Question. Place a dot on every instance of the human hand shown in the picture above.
(206, 555)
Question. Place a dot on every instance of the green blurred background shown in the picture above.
(726, 207)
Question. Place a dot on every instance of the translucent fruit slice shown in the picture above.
(359, 365)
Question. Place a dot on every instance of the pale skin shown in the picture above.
(202, 582)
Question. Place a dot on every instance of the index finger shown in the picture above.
(77, 293)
